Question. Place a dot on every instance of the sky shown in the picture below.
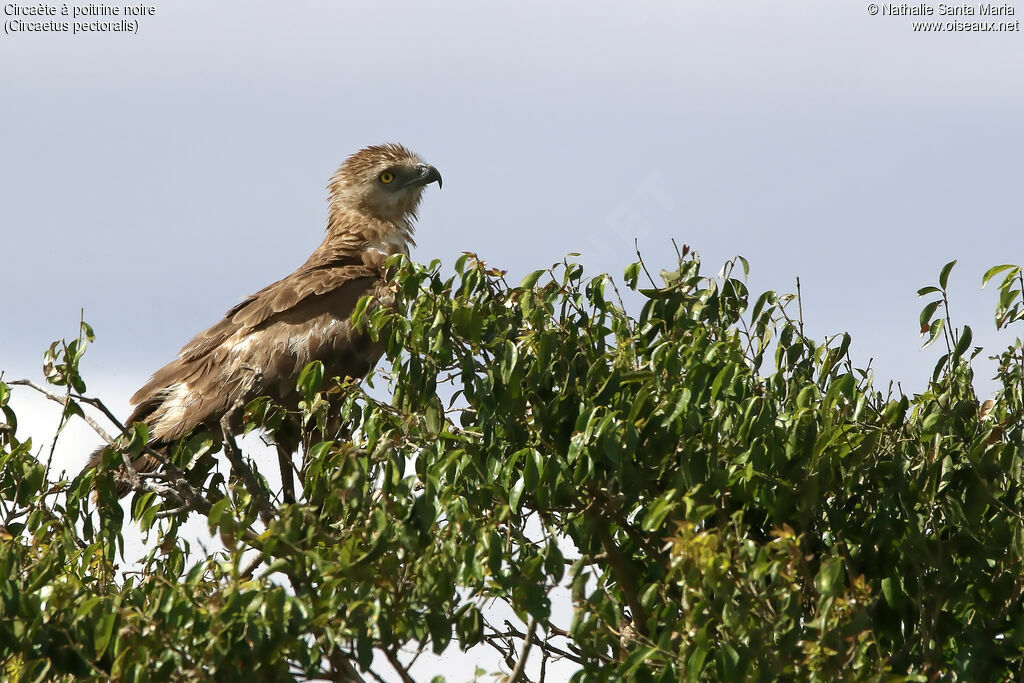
(155, 178)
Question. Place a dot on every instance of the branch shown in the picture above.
(397, 665)
(517, 673)
(341, 663)
(636, 246)
(622, 571)
(342, 670)
(544, 645)
(253, 565)
(244, 472)
(505, 655)
(63, 400)
(800, 306)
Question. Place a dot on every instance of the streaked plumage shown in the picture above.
(262, 344)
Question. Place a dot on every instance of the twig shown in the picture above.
(636, 246)
(800, 306)
(544, 645)
(621, 571)
(618, 295)
(342, 670)
(253, 565)
(165, 514)
(244, 472)
(586, 559)
(397, 665)
(505, 655)
(517, 673)
(345, 668)
(133, 475)
(60, 428)
(63, 401)
(284, 461)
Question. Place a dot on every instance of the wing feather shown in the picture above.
(315, 279)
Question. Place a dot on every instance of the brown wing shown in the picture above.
(316, 280)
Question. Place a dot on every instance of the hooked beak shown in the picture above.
(426, 174)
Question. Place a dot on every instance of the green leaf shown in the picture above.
(830, 580)
(310, 379)
(746, 266)
(927, 312)
(631, 274)
(657, 512)
(359, 313)
(944, 274)
(440, 630)
(217, 511)
(722, 379)
(892, 592)
(933, 422)
(516, 494)
(104, 630)
(509, 361)
(531, 280)
(72, 409)
(934, 332)
(995, 270)
(963, 342)
(469, 627)
(531, 473)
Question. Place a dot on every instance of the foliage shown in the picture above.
(726, 498)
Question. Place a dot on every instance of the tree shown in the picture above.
(727, 499)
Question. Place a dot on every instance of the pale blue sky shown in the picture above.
(158, 178)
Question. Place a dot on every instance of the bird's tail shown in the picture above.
(141, 463)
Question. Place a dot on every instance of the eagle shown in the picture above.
(264, 342)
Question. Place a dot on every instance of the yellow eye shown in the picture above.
(386, 177)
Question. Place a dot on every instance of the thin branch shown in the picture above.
(800, 307)
(506, 651)
(397, 665)
(284, 462)
(342, 670)
(346, 669)
(60, 428)
(245, 473)
(622, 571)
(100, 406)
(552, 650)
(636, 246)
(517, 673)
(133, 475)
(586, 559)
(253, 565)
(167, 514)
(62, 400)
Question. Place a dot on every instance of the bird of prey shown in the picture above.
(264, 342)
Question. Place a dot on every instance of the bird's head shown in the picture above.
(383, 182)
